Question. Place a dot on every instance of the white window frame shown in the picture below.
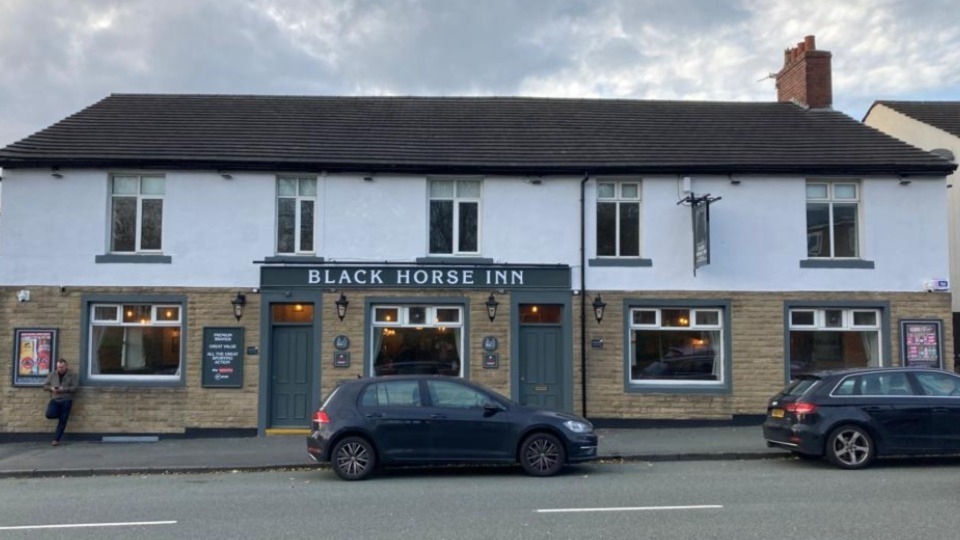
(298, 218)
(117, 321)
(619, 199)
(404, 321)
(692, 324)
(847, 324)
(830, 200)
(457, 200)
(141, 197)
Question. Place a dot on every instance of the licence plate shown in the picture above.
(776, 413)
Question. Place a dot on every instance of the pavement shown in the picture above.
(281, 452)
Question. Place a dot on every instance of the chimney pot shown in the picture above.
(810, 42)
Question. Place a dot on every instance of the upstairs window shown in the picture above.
(618, 219)
(833, 219)
(136, 212)
(296, 204)
(455, 217)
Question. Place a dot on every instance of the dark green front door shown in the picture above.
(541, 366)
(291, 363)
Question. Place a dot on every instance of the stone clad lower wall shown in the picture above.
(758, 363)
(756, 331)
(129, 409)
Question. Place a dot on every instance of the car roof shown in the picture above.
(823, 374)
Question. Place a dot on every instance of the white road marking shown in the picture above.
(630, 508)
(79, 525)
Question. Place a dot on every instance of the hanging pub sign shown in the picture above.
(921, 344)
(700, 211)
(34, 355)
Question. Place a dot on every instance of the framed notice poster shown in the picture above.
(921, 343)
(222, 361)
(34, 355)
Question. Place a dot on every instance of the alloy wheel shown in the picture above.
(850, 448)
(353, 459)
(542, 455)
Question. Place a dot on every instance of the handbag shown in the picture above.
(53, 410)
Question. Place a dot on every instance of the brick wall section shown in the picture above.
(129, 409)
(806, 76)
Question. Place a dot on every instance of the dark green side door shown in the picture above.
(290, 376)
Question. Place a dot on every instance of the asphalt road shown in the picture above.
(759, 499)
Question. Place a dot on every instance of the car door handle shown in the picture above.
(873, 409)
(374, 415)
(941, 410)
(438, 416)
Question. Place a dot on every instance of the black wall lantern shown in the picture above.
(598, 306)
(342, 304)
(238, 304)
(492, 307)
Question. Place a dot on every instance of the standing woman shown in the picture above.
(62, 384)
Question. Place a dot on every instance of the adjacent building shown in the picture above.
(933, 126)
(218, 263)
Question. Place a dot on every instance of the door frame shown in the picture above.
(562, 298)
(267, 299)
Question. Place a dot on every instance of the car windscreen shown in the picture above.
(800, 386)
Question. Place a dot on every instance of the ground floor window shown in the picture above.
(417, 339)
(676, 344)
(833, 338)
(134, 341)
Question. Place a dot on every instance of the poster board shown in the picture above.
(34, 355)
(921, 343)
(222, 365)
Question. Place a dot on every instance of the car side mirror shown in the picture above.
(491, 408)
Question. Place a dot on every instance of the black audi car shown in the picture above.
(853, 416)
(432, 420)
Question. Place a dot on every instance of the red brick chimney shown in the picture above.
(805, 76)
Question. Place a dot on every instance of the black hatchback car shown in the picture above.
(852, 416)
(432, 419)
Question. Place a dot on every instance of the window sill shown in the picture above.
(837, 263)
(678, 388)
(133, 381)
(620, 262)
(310, 259)
(453, 259)
(132, 258)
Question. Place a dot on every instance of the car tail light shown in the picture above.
(321, 417)
(800, 407)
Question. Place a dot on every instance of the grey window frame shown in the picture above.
(724, 386)
(830, 200)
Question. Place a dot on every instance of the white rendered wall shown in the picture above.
(928, 138)
(214, 230)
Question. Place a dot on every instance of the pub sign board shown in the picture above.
(222, 365)
(417, 276)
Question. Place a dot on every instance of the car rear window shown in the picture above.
(800, 386)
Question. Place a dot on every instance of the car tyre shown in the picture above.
(542, 454)
(353, 458)
(850, 447)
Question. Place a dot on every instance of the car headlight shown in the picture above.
(577, 426)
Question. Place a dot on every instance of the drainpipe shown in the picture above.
(583, 296)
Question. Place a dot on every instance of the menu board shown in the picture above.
(222, 358)
(920, 343)
(34, 355)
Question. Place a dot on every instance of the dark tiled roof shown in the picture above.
(944, 115)
(465, 134)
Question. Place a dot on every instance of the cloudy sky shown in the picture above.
(58, 56)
